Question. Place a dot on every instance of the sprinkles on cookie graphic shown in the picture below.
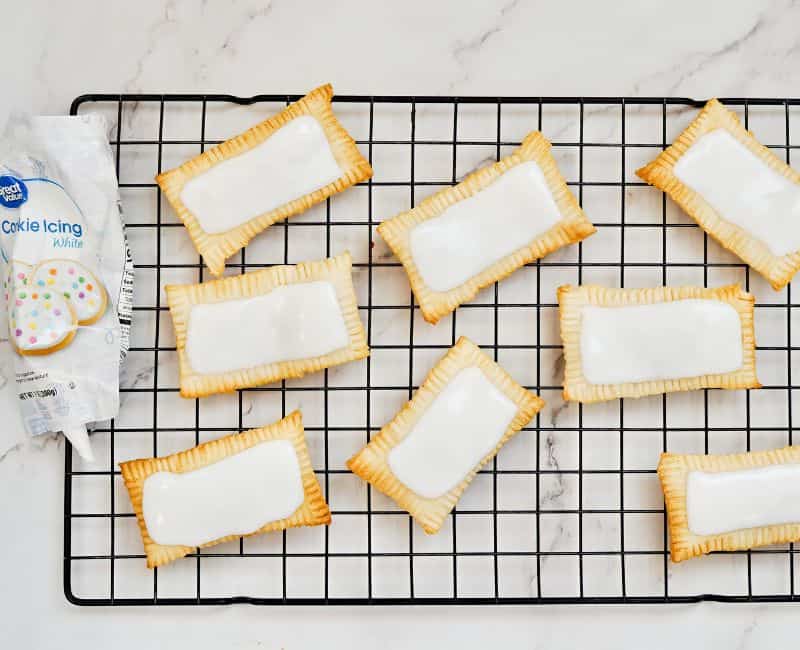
(40, 323)
(16, 276)
(76, 284)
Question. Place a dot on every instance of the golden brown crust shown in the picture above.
(572, 227)
(371, 463)
(181, 298)
(312, 512)
(217, 247)
(660, 173)
(571, 301)
(673, 470)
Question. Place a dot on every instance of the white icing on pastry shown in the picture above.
(668, 340)
(463, 424)
(294, 161)
(234, 496)
(295, 321)
(473, 234)
(743, 190)
(720, 502)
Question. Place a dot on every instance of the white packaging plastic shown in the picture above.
(66, 272)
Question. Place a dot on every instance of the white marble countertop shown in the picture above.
(61, 50)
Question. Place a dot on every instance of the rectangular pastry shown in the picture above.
(465, 410)
(240, 485)
(736, 189)
(496, 220)
(731, 502)
(277, 169)
(263, 326)
(636, 342)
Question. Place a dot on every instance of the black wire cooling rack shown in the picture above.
(570, 510)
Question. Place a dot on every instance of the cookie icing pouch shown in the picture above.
(66, 273)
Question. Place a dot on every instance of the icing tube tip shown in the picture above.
(79, 438)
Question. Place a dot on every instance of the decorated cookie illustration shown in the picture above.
(77, 284)
(40, 322)
(16, 276)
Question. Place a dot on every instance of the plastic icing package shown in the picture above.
(66, 273)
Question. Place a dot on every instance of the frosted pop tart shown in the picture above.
(274, 170)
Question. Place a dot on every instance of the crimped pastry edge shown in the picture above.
(181, 298)
(778, 270)
(572, 299)
(313, 511)
(673, 470)
(573, 227)
(217, 247)
(371, 462)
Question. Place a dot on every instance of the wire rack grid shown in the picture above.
(570, 510)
